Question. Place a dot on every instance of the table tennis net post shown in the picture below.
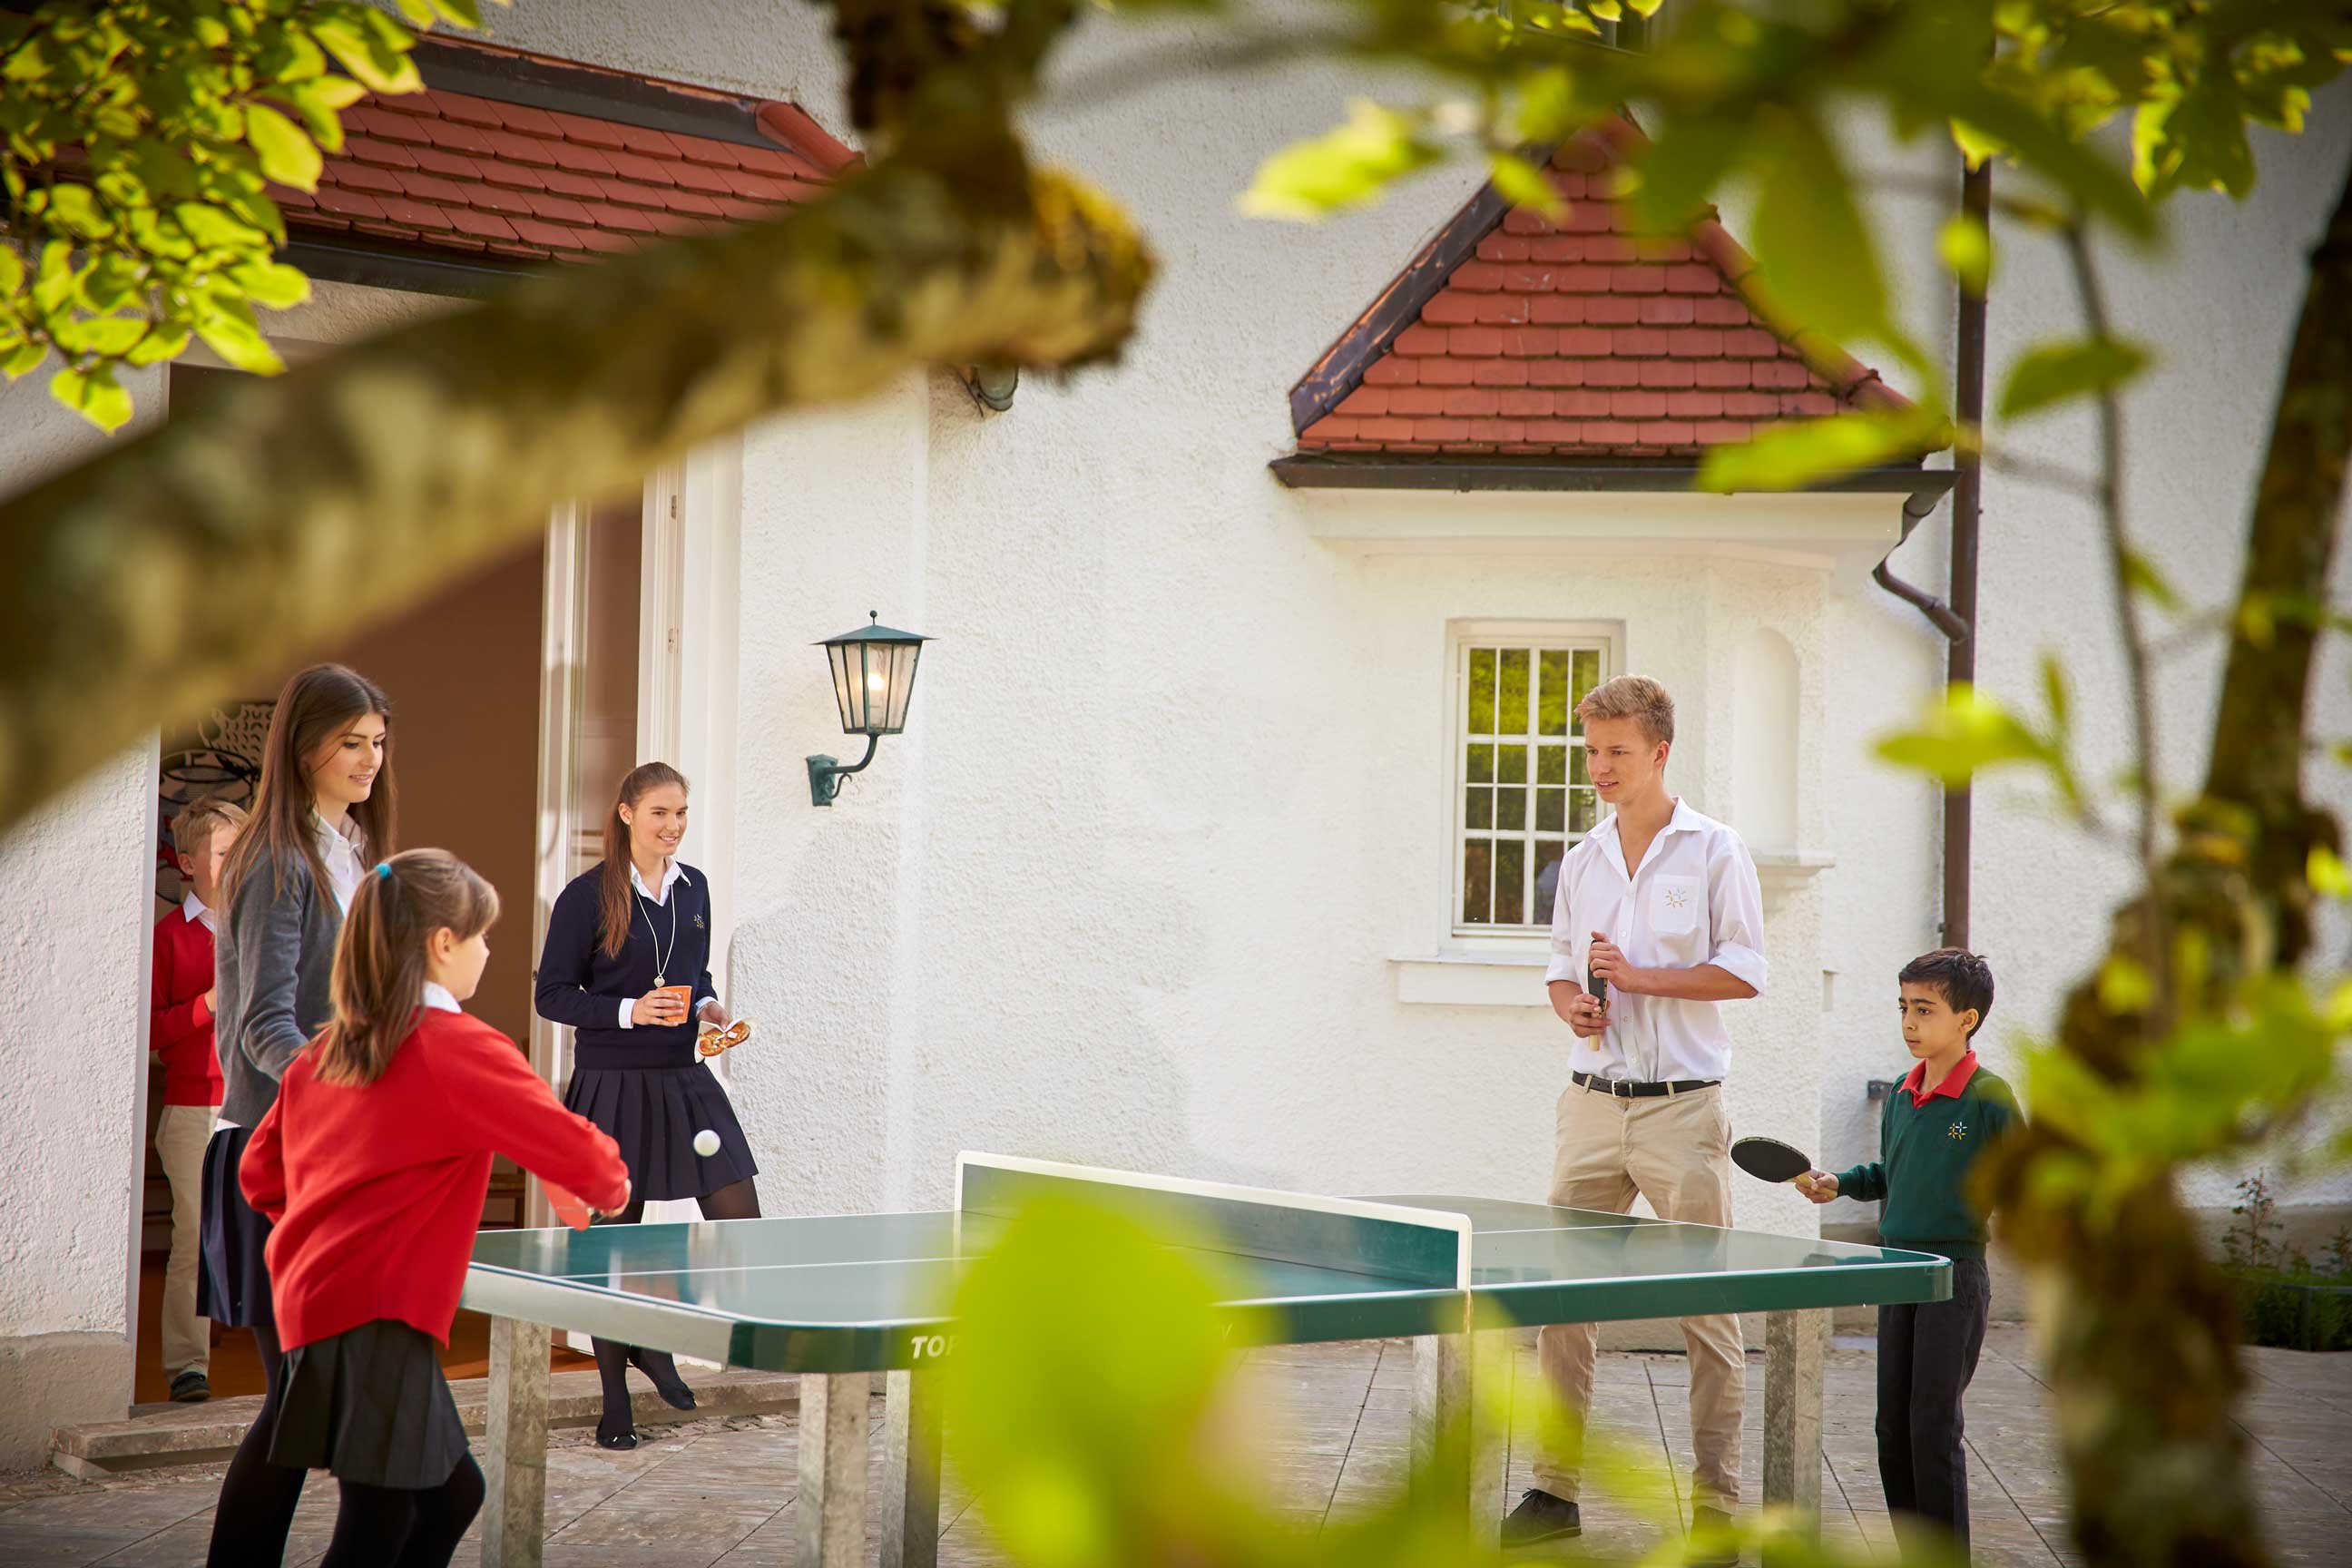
(1425, 1248)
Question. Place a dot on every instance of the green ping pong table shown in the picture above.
(840, 1298)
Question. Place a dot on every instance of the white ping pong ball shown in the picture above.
(706, 1142)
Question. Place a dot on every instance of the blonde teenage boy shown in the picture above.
(1661, 904)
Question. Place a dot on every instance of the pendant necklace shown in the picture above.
(661, 958)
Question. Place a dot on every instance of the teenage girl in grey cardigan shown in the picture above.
(323, 813)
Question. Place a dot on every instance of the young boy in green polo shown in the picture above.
(1938, 1123)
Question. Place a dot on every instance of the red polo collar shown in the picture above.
(1954, 1082)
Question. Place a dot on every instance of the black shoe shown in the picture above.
(190, 1387)
(620, 1441)
(1712, 1543)
(1540, 1517)
(657, 1365)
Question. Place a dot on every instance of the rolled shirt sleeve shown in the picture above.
(1735, 902)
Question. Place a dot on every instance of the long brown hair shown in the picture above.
(318, 705)
(612, 906)
(379, 979)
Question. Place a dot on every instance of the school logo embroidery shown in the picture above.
(1677, 898)
(697, 922)
(1959, 1130)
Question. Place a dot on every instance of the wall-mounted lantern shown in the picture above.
(873, 680)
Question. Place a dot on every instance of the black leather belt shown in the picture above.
(1625, 1089)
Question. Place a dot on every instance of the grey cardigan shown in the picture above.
(274, 954)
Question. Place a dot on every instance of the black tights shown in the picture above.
(256, 1497)
(387, 1527)
(736, 1200)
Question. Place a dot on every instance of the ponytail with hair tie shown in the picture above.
(380, 960)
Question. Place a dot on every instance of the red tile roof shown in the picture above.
(1579, 339)
(477, 174)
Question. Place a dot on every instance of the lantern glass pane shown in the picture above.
(838, 656)
(902, 682)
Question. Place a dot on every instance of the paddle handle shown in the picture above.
(1598, 987)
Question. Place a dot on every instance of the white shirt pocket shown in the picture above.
(1675, 905)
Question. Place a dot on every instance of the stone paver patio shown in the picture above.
(719, 1493)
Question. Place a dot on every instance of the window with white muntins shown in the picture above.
(1522, 796)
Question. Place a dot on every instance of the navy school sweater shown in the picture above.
(578, 984)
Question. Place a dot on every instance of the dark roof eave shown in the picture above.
(410, 269)
(1372, 472)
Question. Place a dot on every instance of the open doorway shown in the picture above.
(517, 698)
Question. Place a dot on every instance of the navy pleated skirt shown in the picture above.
(233, 1285)
(371, 1405)
(653, 1113)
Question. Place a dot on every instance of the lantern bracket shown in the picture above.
(825, 774)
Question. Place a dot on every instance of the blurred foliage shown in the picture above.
(1098, 1409)
(1756, 95)
(137, 142)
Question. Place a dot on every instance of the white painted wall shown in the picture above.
(73, 1034)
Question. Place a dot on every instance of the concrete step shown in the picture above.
(161, 1434)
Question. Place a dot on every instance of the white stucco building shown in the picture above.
(1167, 871)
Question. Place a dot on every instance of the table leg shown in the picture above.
(1794, 1346)
(1456, 1459)
(514, 1514)
(910, 1470)
(832, 1502)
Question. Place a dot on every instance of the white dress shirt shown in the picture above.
(194, 909)
(438, 995)
(342, 857)
(1693, 900)
(672, 874)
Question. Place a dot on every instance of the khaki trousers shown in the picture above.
(180, 1134)
(1674, 1150)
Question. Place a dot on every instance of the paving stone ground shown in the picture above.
(719, 1494)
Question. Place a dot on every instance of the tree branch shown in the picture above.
(203, 555)
(2157, 958)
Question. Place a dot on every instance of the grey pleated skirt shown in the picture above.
(653, 1113)
(369, 1405)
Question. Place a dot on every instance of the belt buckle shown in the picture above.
(1627, 1093)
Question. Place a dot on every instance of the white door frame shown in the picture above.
(686, 619)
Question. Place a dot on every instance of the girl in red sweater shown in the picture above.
(371, 1166)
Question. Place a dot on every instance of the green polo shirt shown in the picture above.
(1927, 1147)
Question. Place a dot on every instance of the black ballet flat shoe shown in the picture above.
(663, 1374)
(619, 1442)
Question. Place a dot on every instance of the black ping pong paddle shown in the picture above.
(1770, 1160)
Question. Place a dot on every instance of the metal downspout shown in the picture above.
(1958, 618)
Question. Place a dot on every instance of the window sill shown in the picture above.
(1790, 868)
(1504, 978)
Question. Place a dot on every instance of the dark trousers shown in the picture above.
(1926, 1354)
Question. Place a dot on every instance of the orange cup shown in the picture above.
(685, 995)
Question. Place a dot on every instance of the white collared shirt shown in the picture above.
(672, 874)
(193, 909)
(439, 997)
(341, 857)
(1693, 900)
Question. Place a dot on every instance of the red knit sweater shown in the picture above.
(376, 1191)
(180, 1027)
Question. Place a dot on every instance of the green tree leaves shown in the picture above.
(2049, 373)
(138, 138)
(1808, 236)
(1353, 166)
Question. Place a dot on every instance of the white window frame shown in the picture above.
(1604, 637)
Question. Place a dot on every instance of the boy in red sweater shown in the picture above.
(371, 1166)
(180, 1032)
